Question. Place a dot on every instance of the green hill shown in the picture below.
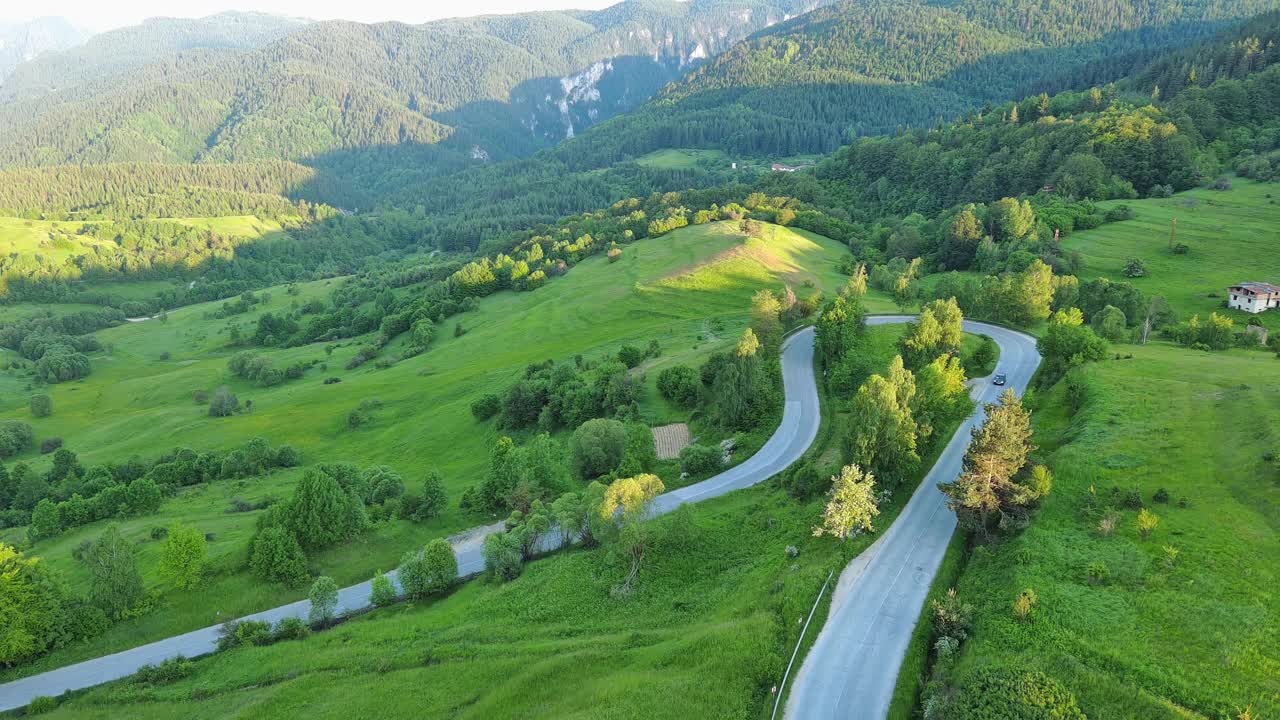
(689, 291)
(1232, 236)
(1131, 627)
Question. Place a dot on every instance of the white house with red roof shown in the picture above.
(1253, 297)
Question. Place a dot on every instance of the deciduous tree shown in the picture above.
(183, 557)
(851, 504)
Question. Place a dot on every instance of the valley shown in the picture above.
(793, 359)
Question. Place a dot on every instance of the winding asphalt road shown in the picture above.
(852, 668)
(800, 419)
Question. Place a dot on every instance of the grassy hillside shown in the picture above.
(1196, 636)
(1233, 235)
(689, 290)
(712, 621)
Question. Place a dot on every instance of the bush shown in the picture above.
(41, 705)
(41, 405)
(1135, 268)
(1025, 604)
(486, 407)
(598, 447)
(15, 436)
(630, 355)
(166, 672)
(200, 397)
(1161, 496)
(235, 633)
(275, 556)
(1119, 213)
(48, 445)
(223, 403)
(1008, 694)
(700, 459)
(503, 559)
(1222, 183)
(680, 385)
(382, 592)
(290, 628)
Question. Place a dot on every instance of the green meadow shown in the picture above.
(713, 620)
(680, 158)
(689, 290)
(1186, 623)
(1233, 236)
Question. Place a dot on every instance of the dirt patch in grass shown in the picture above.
(670, 440)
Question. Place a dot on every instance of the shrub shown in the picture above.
(614, 253)
(332, 380)
(15, 436)
(382, 592)
(951, 617)
(1147, 522)
(1024, 604)
(1107, 525)
(1161, 496)
(167, 671)
(1009, 694)
(1222, 183)
(680, 385)
(700, 459)
(486, 407)
(441, 565)
(41, 405)
(1097, 573)
(41, 705)
(1135, 268)
(287, 457)
(503, 559)
(223, 403)
(630, 355)
(290, 628)
(200, 397)
(598, 447)
(1119, 213)
(48, 445)
(275, 556)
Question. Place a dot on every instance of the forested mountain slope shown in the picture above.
(374, 98)
(863, 67)
(25, 41)
(812, 84)
(77, 72)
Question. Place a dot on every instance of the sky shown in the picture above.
(99, 15)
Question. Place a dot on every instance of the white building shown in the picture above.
(1253, 297)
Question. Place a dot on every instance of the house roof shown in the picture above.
(1258, 288)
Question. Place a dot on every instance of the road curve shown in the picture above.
(852, 668)
(800, 419)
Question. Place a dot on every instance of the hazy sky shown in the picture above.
(99, 15)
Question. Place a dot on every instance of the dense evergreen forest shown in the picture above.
(139, 191)
(333, 94)
(102, 59)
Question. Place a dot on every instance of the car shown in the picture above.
(998, 379)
